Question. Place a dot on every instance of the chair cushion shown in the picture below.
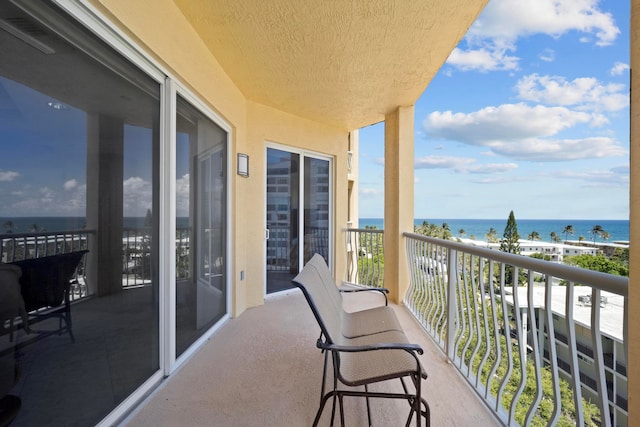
(370, 321)
(366, 367)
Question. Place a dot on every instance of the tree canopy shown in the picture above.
(599, 263)
(567, 230)
(510, 237)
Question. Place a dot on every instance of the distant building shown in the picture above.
(556, 251)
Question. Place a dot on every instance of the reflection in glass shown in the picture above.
(201, 160)
(283, 179)
(79, 173)
(316, 208)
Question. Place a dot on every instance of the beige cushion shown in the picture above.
(370, 321)
(377, 365)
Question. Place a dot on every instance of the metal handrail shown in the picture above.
(492, 319)
(606, 282)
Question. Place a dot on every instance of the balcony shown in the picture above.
(263, 368)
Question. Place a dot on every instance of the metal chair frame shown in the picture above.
(328, 345)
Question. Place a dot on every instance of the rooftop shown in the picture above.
(611, 313)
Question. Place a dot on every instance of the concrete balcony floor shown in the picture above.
(263, 369)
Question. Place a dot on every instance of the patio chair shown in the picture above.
(45, 284)
(363, 359)
(11, 307)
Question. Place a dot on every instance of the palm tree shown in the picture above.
(581, 239)
(461, 232)
(446, 231)
(567, 230)
(492, 235)
(597, 230)
(554, 237)
(534, 235)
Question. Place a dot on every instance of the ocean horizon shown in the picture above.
(618, 229)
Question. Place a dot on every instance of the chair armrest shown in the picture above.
(346, 290)
(370, 347)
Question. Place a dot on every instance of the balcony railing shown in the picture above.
(20, 246)
(136, 253)
(524, 332)
(365, 256)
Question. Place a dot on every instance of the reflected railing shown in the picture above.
(524, 332)
(37, 244)
(282, 249)
(136, 253)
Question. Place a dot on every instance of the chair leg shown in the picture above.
(324, 374)
(335, 388)
(323, 402)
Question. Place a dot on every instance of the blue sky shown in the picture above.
(530, 112)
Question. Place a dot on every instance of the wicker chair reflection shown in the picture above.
(366, 347)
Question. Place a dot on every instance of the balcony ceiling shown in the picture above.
(344, 63)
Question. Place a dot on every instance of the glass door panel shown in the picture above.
(283, 201)
(201, 291)
(316, 208)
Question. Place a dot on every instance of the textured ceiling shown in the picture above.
(341, 62)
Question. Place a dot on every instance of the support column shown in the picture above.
(632, 336)
(398, 198)
(105, 154)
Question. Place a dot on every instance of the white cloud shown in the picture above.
(8, 175)
(613, 177)
(511, 19)
(505, 122)
(70, 184)
(46, 194)
(182, 195)
(586, 93)
(487, 58)
(619, 68)
(547, 55)
(550, 150)
(462, 165)
(503, 22)
(521, 132)
(137, 196)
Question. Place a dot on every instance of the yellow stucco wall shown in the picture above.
(166, 36)
(398, 198)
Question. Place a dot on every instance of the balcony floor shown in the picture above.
(263, 368)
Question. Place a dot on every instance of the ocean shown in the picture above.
(618, 229)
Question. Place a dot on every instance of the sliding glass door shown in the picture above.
(298, 219)
(201, 206)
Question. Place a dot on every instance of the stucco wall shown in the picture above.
(165, 35)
